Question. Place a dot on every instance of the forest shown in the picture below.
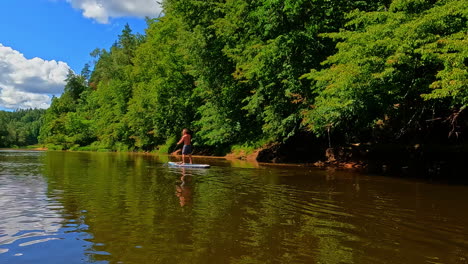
(247, 74)
(20, 128)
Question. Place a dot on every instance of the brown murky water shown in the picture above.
(61, 207)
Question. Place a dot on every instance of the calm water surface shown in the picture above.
(59, 207)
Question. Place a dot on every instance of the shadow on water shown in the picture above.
(131, 208)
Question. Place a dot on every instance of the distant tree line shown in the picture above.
(248, 73)
(20, 128)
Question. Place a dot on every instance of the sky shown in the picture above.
(40, 40)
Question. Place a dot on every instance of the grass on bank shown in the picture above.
(168, 147)
(92, 147)
(249, 147)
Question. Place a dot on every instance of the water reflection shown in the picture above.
(134, 209)
(184, 189)
(27, 216)
(31, 220)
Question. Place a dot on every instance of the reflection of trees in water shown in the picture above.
(128, 205)
(289, 228)
(132, 214)
(230, 215)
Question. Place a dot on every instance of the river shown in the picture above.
(82, 207)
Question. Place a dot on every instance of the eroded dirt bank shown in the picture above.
(410, 160)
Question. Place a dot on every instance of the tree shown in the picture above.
(20, 128)
(393, 69)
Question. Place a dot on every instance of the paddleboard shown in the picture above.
(187, 165)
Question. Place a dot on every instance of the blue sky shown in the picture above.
(59, 34)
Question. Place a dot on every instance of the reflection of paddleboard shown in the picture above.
(187, 165)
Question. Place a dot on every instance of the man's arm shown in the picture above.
(181, 140)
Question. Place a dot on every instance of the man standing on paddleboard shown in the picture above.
(187, 148)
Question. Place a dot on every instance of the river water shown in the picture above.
(71, 207)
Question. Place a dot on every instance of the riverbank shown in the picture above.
(27, 148)
(434, 161)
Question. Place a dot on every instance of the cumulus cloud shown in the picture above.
(29, 83)
(102, 10)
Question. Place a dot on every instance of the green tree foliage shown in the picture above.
(248, 57)
(221, 121)
(243, 72)
(112, 80)
(272, 44)
(67, 122)
(20, 128)
(395, 68)
(163, 100)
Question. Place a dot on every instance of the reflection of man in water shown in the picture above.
(184, 190)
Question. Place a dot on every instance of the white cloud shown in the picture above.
(28, 83)
(102, 10)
